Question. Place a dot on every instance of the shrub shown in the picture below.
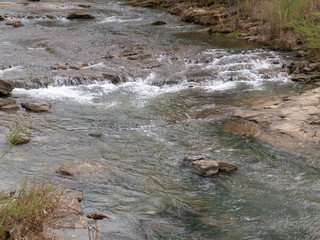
(24, 215)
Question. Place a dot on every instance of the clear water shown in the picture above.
(146, 125)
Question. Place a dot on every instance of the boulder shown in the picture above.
(15, 23)
(37, 106)
(8, 104)
(5, 87)
(210, 167)
(79, 15)
(85, 169)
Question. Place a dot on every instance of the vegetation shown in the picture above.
(24, 215)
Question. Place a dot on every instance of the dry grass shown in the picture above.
(23, 217)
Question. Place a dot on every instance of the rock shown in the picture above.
(15, 23)
(20, 139)
(158, 23)
(306, 78)
(37, 106)
(1, 18)
(95, 134)
(210, 167)
(128, 53)
(112, 78)
(8, 104)
(314, 66)
(34, 0)
(85, 169)
(79, 15)
(4, 195)
(5, 87)
(100, 216)
(84, 6)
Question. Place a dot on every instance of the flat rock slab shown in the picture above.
(8, 104)
(210, 167)
(85, 169)
(37, 106)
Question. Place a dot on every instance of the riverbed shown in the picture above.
(149, 122)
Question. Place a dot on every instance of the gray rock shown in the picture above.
(5, 87)
(37, 106)
(85, 169)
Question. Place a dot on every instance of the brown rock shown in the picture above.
(15, 23)
(210, 167)
(95, 134)
(112, 78)
(8, 104)
(158, 23)
(80, 15)
(37, 106)
(1, 18)
(100, 216)
(128, 53)
(5, 87)
(85, 169)
(20, 139)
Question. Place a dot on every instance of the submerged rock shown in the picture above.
(100, 216)
(37, 106)
(95, 134)
(80, 15)
(210, 167)
(5, 87)
(85, 169)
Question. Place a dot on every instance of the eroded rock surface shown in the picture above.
(296, 117)
(5, 87)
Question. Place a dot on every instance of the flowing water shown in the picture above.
(147, 125)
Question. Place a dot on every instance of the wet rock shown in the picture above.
(306, 78)
(34, 0)
(8, 104)
(210, 167)
(79, 15)
(85, 169)
(1, 18)
(50, 16)
(112, 78)
(95, 134)
(314, 66)
(15, 23)
(5, 87)
(20, 139)
(37, 106)
(158, 23)
(100, 216)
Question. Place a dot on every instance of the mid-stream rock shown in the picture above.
(5, 87)
(15, 23)
(37, 106)
(8, 104)
(85, 169)
(80, 15)
(112, 78)
(210, 167)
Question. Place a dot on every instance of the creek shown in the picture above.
(148, 125)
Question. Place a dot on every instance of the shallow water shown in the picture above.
(146, 125)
